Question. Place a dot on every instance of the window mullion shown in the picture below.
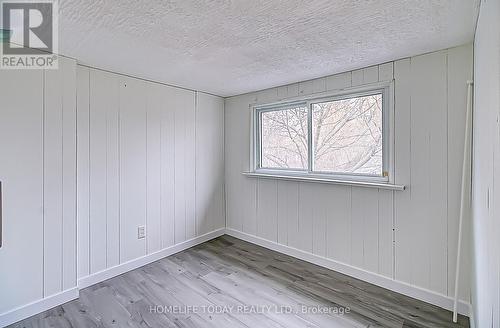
(310, 151)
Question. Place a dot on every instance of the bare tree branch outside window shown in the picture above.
(284, 138)
(347, 135)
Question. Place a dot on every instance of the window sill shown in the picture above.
(324, 179)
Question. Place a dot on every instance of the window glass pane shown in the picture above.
(347, 135)
(284, 138)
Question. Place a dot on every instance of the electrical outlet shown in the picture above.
(141, 232)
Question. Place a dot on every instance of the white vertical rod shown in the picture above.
(464, 196)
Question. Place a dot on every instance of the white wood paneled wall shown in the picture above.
(38, 173)
(210, 207)
(148, 155)
(59, 178)
(407, 236)
(486, 168)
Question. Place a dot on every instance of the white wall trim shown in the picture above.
(422, 294)
(146, 259)
(36, 307)
(320, 178)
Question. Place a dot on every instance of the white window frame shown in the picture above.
(387, 91)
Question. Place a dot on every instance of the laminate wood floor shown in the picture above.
(227, 282)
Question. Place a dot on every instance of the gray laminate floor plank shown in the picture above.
(231, 277)
(257, 280)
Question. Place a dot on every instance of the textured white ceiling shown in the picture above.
(229, 47)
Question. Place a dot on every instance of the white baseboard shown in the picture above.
(422, 294)
(141, 261)
(36, 307)
(47, 303)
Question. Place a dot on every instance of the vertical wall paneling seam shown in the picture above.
(314, 218)
(447, 186)
(195, 162)
(394, 157)
(298, 208)
(224, 162)
(106, 144)
(379, 266)
(286, 225)
(393, 245)
(43, 184)
(277, 219)
(77, 271)
(364, 228)
(410, 174)
(161, 179)
(393, 248)
(276, 215)
(77, 237)
(378, 230)
(350, 220)
(256, 192)
(326, 218)
(74, 195)
(224, 198)
(146, 244)
(429, 184)
(119, 148)
(429, 189)
(447, 182)
(75, 189)
(257, 203)
(61, 81)
(88, 165)
(184, 161)
(411, 151)
(252, 161)
(90, 172)
(174, 118)
(75, 264)
(147, 241)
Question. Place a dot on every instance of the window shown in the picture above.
(284, 138)
(342, 136)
